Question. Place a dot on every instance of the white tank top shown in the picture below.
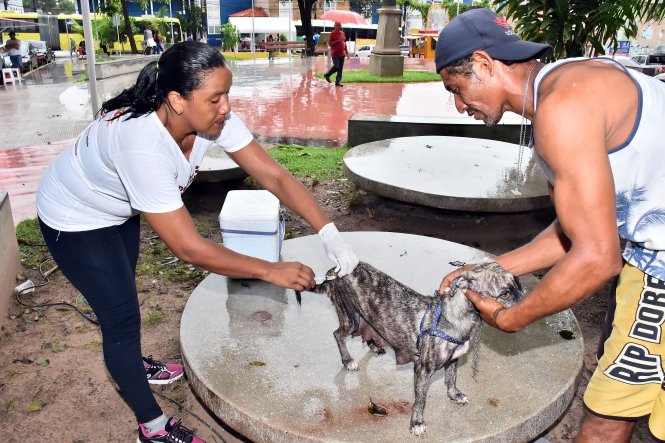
(638, 168)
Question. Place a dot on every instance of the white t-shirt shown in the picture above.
(119, 168)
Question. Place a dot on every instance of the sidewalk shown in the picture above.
(280, 101)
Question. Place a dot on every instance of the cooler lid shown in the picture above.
(250, 205)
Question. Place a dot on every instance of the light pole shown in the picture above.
(252, 41)
(171, 22)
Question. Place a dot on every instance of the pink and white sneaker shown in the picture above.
(174, 433)
(159, 373)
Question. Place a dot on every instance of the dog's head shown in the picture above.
(492, 281)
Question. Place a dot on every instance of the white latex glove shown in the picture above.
(338, 250)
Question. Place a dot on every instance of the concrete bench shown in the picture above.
(10, 264)
(365, 128)
(275, 46)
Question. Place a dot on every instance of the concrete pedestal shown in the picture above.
(386, 60)
(271, 370)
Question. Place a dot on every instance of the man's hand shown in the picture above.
(291, 275)
(444, 287)
(488, 308)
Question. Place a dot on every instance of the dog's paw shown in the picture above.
(419, 430)
(351, 366)
(461, 399)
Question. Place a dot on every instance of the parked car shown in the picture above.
(28, 56)
(364, 51)
(44, 53)
(404, 50)
(652, 64)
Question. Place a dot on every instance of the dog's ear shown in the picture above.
(459, 283)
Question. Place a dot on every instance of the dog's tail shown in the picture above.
(320, 288)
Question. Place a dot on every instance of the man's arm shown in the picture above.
(571, 128)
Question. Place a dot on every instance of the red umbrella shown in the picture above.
(342, 16)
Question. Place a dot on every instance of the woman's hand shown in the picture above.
(291, 275)
(338, 250)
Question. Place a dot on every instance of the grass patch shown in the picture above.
(362, 76)
(248, 55)
(153, 318)
(312, 162)
(32, 249)
(156, 261)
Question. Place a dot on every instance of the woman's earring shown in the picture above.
(179, 112)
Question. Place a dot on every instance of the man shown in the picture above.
(597, 133)
(13, 45)
(337, 44)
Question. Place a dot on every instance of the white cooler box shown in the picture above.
(251, 224)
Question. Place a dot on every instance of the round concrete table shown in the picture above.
(459, 173)
(217, 166)
(271, 370)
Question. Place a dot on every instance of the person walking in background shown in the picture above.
(138, 157)
(13, 45)
(148, 41)
(72, 46)
(603, 155)
(159, 42)
(337, 43)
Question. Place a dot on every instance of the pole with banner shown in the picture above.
(69, 41)
(116, 23)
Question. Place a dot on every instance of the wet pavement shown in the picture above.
(280, 101)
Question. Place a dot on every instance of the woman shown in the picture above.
(138, 157)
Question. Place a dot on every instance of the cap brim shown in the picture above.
(519, 50)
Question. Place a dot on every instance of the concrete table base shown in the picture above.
(271, 370)
(457, 173)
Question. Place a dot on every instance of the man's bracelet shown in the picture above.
(496, 314)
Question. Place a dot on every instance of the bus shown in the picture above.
(56, 30)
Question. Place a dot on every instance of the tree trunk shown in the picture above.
(305, 8)
(128, 27)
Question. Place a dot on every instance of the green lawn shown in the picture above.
(362, 76)
(312, 162)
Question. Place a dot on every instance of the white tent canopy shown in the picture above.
(264, 25)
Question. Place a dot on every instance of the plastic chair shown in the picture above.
(11, 75)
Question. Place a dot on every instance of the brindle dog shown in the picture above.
(432, 332)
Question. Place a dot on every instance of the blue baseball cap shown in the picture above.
(482, 29)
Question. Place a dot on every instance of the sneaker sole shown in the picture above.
(165, 382)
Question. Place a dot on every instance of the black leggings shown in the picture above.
(101, 264)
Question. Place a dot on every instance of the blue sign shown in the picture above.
(623, 48)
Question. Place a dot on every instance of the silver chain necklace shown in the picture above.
(523, 123)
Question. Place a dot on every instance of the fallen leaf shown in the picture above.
(25, 361)
(375, 409)
(43, 362)
(34, 406)
(256, 363)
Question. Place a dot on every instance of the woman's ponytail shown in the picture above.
(182, 68)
